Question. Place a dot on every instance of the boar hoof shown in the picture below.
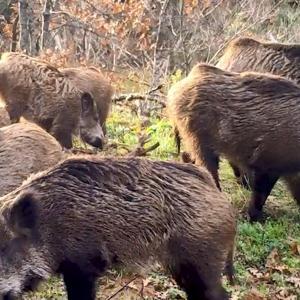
(255, 215)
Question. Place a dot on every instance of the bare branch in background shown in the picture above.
(46, 36)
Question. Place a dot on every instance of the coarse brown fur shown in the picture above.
(249, 118)
(248, 54)
(4, 117)
(25, 148)
(40, 93)
(87, 215)
(92, 80)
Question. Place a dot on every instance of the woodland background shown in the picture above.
(152, 38)
(144, 46)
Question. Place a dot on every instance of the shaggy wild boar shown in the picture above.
(37, 91)
(92, 81)
(248, 54)
(249, 118)
(87, 215)
(25, 148)
(4, 117)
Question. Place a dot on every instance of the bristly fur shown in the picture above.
(248, 54)
(39, 92)
(95, 213)
(249, 118)
(93, 81)
(25, 148)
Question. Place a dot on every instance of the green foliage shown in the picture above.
(177, 76)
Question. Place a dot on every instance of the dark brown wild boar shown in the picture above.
(87, 215)
(92, 80)
(249, 118)
(4, 117)
(249, 54)
(37, 91)
(25, 148)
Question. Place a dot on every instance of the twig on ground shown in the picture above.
(137, 96)
(140, 150)
(121, 289)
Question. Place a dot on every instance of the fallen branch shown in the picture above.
(137, 96)
(121, 289)
(140, 150)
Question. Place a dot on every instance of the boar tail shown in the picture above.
(229, 268)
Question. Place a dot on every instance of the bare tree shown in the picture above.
(24, 43)
(30, 25)
(46, 35)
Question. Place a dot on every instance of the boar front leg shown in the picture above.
(79, 285)
(263, 184)
(61, 129)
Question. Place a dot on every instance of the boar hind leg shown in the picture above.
(177, 140)
(293, 184)
(242, 178)
(211, 162)
(189, 279)
(262, 186)
(79, 285)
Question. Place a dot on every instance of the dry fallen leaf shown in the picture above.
(272, 259)
(295, 281)
(254, 294)
(295, 247)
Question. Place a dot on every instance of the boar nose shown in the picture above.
(97, 142)
(9, 296)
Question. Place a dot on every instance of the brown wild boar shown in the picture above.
(4, 117)
(25, 148)
(92, 80)
(249, 54)
(249, 118)
(86, 215)
(37, 91)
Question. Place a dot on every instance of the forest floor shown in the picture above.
(267, 259)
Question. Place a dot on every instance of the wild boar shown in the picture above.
(92, 80)
(25, 148)
(86, 215)
(251, 119)
(40, 93)
(248, 54)
(4, 117)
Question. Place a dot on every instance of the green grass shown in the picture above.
(266, 256)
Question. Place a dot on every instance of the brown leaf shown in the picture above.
(254, 294)
(295, 281)
(272, 259)
(295, 247)
(256, 273)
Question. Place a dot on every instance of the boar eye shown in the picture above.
(11, 248)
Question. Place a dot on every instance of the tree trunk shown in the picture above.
(30, 26)
(24, 43)
(14, 39)
(46, 36)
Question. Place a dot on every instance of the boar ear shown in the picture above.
(87, 103)
(23, 215)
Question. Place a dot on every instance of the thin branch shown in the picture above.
(137, 96)
(122, 288)
(140, 150)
